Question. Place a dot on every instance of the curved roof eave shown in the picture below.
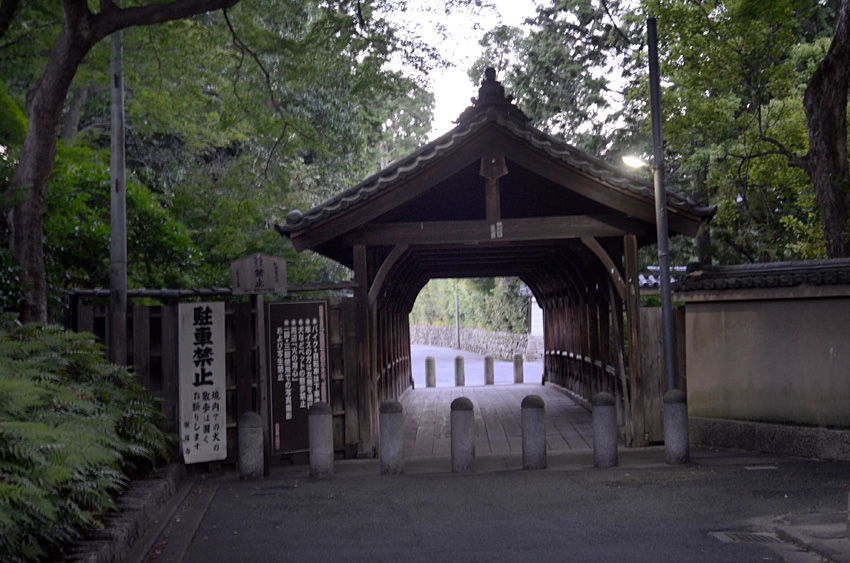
(555, 148)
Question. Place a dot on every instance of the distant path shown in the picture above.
(498, 430)
(444, 359)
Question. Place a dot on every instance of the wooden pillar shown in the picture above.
(619, 357)
(603, 305)
(244, 361)
(170, 365)
(364, 353)
(142, 345)
(587, 368)
(259, 304)
(597, 383)
(633, 314)
(350, 380)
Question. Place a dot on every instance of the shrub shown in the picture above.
(72, 426)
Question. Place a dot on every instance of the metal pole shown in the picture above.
(118, 210)
(660, 204)
(457, 318)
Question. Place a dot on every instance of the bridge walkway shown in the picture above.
(498, 429)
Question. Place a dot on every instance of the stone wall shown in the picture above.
(500, 345)
(767, 343)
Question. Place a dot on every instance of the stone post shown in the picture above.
(518, 372)
(250, 434)
(392, 438)
(533, 433)
(430, 372)
(676, 439)
(460, 377)
(489, 370)
(463, 435)
(604, 430)
(320, 433)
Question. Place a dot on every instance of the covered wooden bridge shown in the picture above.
(496, 197)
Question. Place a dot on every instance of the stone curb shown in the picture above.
(828, 542)
(138, 508)
(801, 441)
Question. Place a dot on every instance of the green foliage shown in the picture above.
(76, 226)
(13, 122)
(733, 73)
(567, 71)
(233, 133)
(740, 70)
(494, 304)
(71, 428)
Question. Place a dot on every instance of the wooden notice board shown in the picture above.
(297, 340)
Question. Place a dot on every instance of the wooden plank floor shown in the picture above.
(498, 430)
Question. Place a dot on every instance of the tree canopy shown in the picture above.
(743, 99)
(235, 116)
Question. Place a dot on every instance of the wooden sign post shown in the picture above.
(256, 275)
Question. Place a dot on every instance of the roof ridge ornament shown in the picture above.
(491, 94)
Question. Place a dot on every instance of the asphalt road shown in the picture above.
(444, 361)
(642, 510)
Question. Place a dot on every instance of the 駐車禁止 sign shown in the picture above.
(203, 417)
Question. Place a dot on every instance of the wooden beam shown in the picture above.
(633, 314)
(583, 183)
(477, 232)
(493, 167)
(390, 261)
(364, 355)
(493, 203)
(593, 245)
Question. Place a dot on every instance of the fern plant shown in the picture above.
(71, 428)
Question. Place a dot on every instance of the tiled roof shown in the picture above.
(775, 274)
(425, 155)
(651, 280)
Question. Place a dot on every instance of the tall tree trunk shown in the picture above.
(826, 110)
(71, 123)
(45, 99)
(81, 30)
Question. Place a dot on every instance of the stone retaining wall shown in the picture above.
(500, 345)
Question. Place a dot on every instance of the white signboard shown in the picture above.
(258, 273)
(203, 417)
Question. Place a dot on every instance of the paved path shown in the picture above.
(444, 359)
(721, 507)
(498, 431)
(427, 428)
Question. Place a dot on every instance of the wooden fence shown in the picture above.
(153, 356)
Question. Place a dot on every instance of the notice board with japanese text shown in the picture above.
(298, 368)
(202, 360)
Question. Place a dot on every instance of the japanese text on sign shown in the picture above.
(297, 339)
(202, 382)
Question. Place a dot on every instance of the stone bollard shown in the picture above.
(460, 377)
(533, 433)
(321, 439)
(392, 438)
(676, 440)
(518, 373)
(463, 435)
(604, 430)
(250, 434)
(430, 372)
(489, 370)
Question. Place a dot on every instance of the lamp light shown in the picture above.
(634, 162)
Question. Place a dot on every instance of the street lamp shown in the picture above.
(676, 448)
(634, 162)
(657, 167)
